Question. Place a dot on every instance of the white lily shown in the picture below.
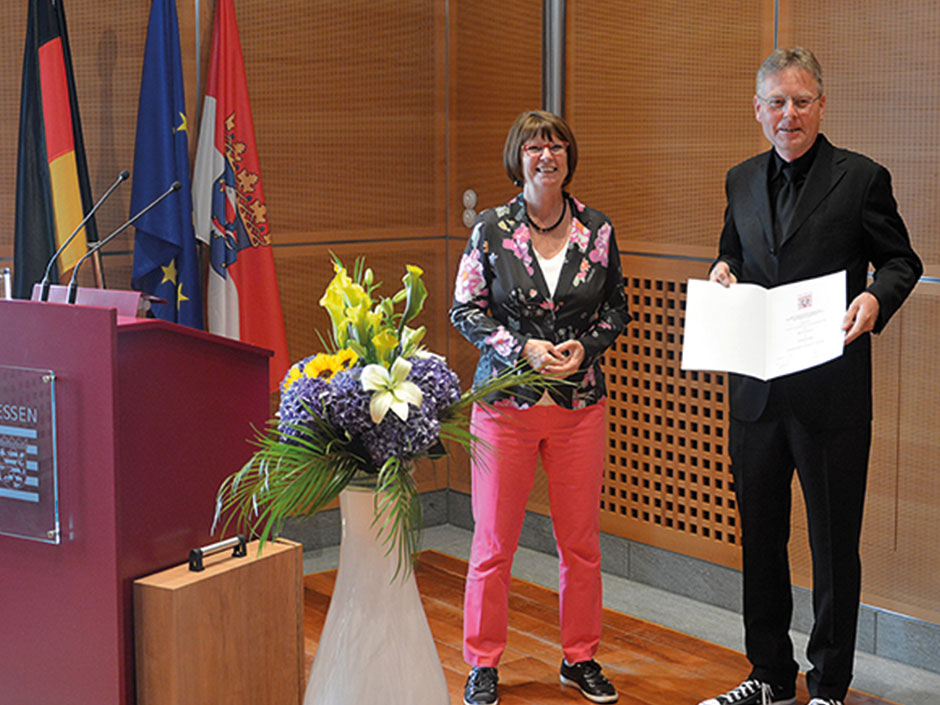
(391, 388)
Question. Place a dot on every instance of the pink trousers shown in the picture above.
(572, 446)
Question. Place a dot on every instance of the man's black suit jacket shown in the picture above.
(846, 218)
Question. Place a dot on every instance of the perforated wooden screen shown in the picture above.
(667, 477)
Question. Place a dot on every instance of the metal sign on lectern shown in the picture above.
(29, 489)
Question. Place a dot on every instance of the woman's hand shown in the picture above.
(540, 353)
(568, 358)
(557, 360)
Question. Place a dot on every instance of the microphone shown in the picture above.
(73, 283)
(44, 293)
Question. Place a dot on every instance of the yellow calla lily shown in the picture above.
(358, 317)
(416, 293)
(332, 301)
(344, 299)
(385, 342)
(375, 318)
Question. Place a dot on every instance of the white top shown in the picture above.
(551, 269)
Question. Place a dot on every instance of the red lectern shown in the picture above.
(150, 418)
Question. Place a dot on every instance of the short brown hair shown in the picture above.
(537, 123)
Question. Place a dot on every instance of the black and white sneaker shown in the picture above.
(755, 692)
(824, 701)
(587, 676)
(481, 686)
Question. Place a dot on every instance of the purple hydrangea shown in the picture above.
(348, 404)
(437, 382)
(394, 438)
(304, 396)
(344, 404)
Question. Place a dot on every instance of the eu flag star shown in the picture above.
(182, 127)
(169, 272)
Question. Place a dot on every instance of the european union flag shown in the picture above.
(165, 259)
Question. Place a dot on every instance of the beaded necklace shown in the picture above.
(528, 218)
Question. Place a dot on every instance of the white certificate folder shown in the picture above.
(764, 333)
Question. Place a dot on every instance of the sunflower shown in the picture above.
(345, 359)
(321, 366)
(293, 374)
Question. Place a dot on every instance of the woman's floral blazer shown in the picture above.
(501, 299)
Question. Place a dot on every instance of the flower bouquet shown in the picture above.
(359, 414)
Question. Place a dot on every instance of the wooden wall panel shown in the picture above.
(348, 101)
(495, 61)
(880, 69)
(908, 580)
(13, 21)
(496, 73)
(659, 96)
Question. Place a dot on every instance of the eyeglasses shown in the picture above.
(535, 150)
(778, 103)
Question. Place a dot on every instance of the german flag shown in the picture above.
(52, 189)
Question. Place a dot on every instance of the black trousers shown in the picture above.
(832, 465)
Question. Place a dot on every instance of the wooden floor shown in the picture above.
(649, 664)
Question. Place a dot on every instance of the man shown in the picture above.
(801, 210)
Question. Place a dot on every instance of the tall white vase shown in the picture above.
(376, 646)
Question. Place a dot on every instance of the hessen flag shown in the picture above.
(166, 263)
(231, 215)
(52, 190)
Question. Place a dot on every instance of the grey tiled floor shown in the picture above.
(887, 679)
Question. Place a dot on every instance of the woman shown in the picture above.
(540, 280)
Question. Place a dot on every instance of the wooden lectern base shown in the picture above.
(232, 633)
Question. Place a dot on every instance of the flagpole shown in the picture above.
(198, 57)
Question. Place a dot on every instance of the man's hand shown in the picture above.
(861, 316)
(721, 273)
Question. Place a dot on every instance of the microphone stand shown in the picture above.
(44, 286)
(73, 283)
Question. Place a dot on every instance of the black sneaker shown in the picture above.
(755, 692)
(824, 701)
(587, 676)
(481, 687)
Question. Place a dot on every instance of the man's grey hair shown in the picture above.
(783, 58)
